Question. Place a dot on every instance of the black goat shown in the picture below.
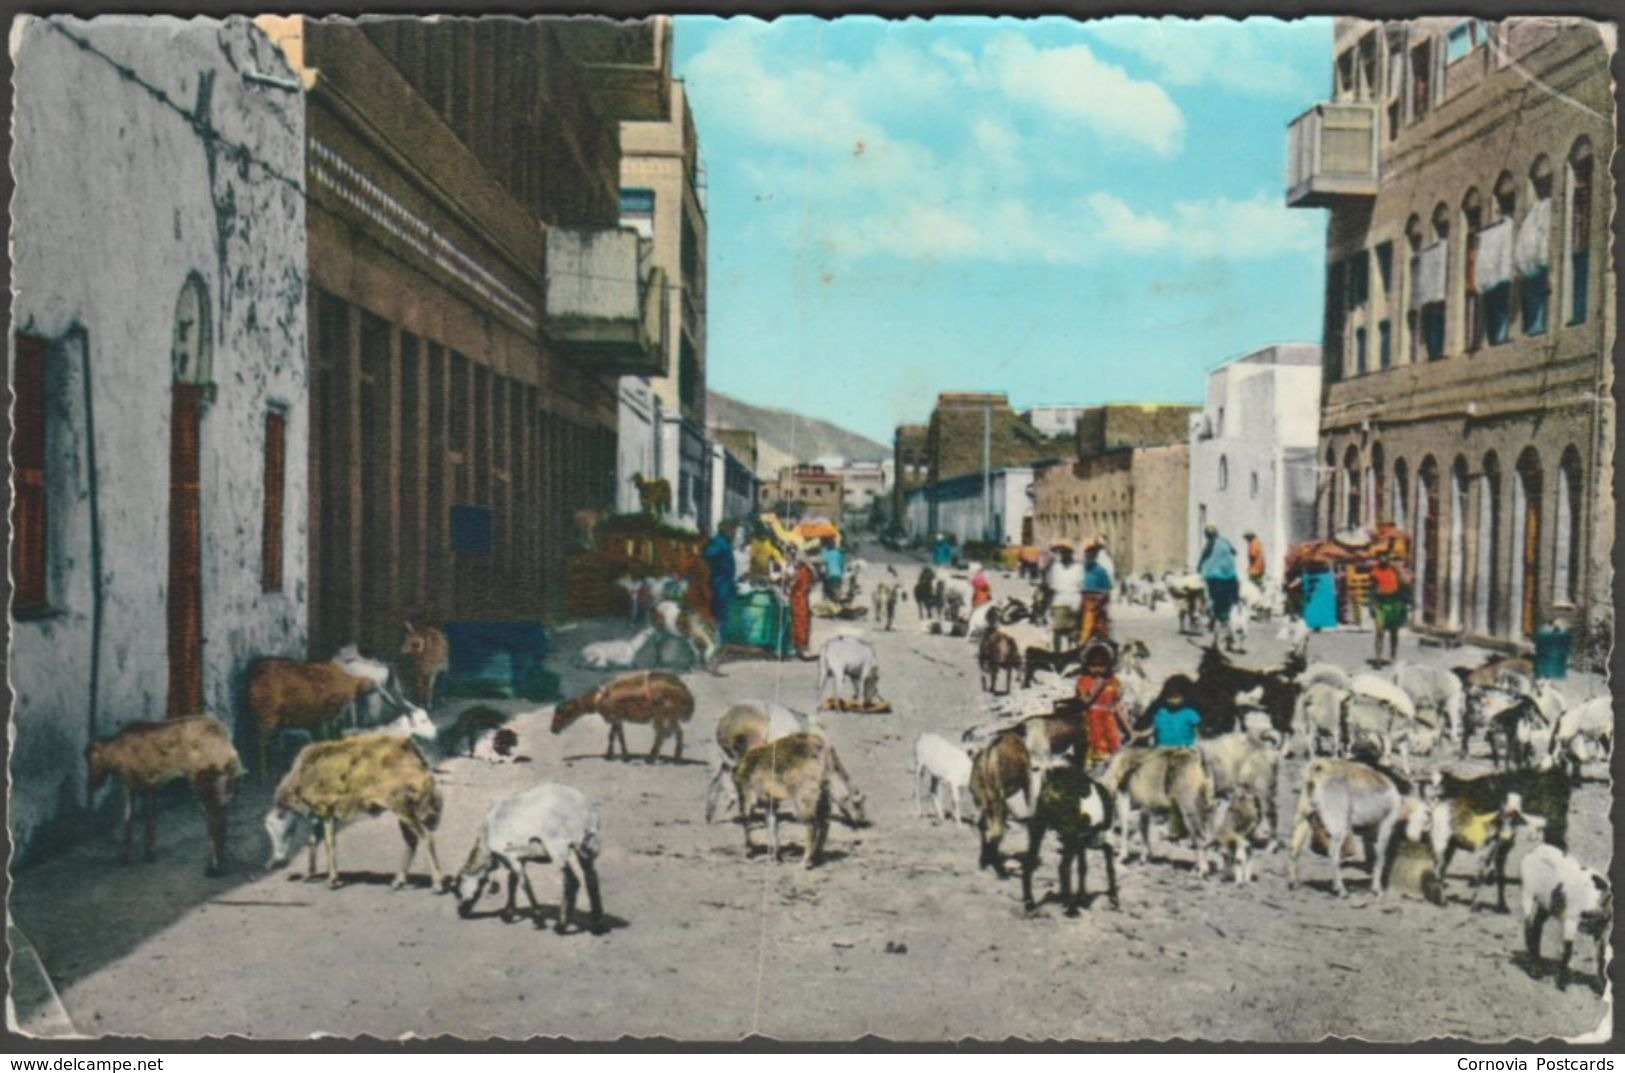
(1035, 659)
(1081, 813)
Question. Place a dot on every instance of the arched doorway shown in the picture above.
(1457, 602)
(1526, 518)
(1351, 488)
(1402, 493)
(1330, 489)
(1427, 537)
(191, 363)
(1375, 480)
(1489, 544)
(1566, 546)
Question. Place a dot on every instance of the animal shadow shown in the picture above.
(414, 881)
(643, 758)
(550, 915)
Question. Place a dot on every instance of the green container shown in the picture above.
(756, 618)
(1552, 644)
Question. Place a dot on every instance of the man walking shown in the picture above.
(1066, 586)
(1097, 594)
(1390, 606)
(1217, 566)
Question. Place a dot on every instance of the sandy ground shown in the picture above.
(898, 934)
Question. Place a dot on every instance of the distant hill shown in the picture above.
(784, 438)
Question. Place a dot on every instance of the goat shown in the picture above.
(1246, 762)
(547, 823)
(1583, 732)
(1344, 797)
(803, 770)
(1490, 671)
(654, 494)
(334, 781)
(1437, 690)
(1555, 884)
(942, 762)
(368, 710)
(414, 723)
(285, 693)
(845, 658)
(999, 769)
(997, 651)
(1079, 811)
(885, 600)
(645, 697)
(495, 746)
(431, 654)
(672, 620)
(1470, 805)
(1162, 782)
(1457, 823)
(614, 655)
(1235, 819)
(146, 756)
(926, 602)
(743, 727)
(1035, 659)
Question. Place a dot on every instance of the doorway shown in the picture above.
(190, 361)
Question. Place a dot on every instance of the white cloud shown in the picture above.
(1238, 56)
(1219, 227)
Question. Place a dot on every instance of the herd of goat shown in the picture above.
(1027, 766)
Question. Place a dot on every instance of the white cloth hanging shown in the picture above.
(1431, 273)
(1531, 251)
(1493, 265)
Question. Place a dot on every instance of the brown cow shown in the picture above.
(645, 697)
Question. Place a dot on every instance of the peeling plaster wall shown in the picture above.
(120, 198)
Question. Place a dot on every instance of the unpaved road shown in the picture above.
(707, 945)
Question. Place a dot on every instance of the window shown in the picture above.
(1472, 220)
(1346, 75)
(29, 518)
(1580, 177)
(1532, 251)
(276, 456)
(1334, 356)
(1224, 473)
(1359, 280)
(1497, 300)
(1351, 489)
(1402, 491)
(1421, 79)
(638, 210)
(1385, 269)
(688, 374)
(1566, 548)
(1385, 356)
(1463, 38)
(1252, 485)
(1359, 351)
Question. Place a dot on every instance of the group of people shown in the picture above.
(1077, 596)
(1169, 721)
(763, 562)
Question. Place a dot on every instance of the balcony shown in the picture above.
(606, 301)
(1331, 155)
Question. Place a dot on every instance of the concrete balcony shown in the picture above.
(1331, 155)
(605, 300)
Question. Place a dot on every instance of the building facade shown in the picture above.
(969, 509)
(813, 491)
(861, 484)
(911, 464)
(1054, 421)
(159, 449)
(1253, 450)
(473, 302)
(733, 486)
(970, 432)
(1470, 311)
(1134, 498)
(1118, 425)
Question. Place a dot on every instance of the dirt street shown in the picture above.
(897, 934)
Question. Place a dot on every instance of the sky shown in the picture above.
(1071, 212)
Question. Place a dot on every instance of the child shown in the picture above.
(1173, 723)
(1101, 692)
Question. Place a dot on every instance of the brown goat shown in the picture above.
(804, 770)
(335, 781)
(431, 654)
(309, 696)
(998, 770)
(645, 697)
(145, 756)
(997, 651)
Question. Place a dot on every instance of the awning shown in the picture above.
(1531, 251)
(1431, 274)
(1493, 265)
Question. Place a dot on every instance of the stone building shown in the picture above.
(1470, 311)
(968, 508)
(911, 463)
(1252, 462)
(861, 484)
(1118, 425)
(473, 300)
(970, 431)
(733, 485)
(1135, 498)
(814, 491)
(1054, 421)
(159, 374)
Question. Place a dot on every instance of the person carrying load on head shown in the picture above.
(1097, 595)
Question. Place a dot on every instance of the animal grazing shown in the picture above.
(1457, 823)
(146, 756)
(1464, 808)
(743, 727)
(369, 709)
(614, 655)
(334, 781)
(1162, 782)
(1439, 691)
(314, 697)
(999, 770)
(940, 763)
(845, 658)
(431, 654)
(1079, 811)
(997, 651)
(1583, 733)
(672, 620)
(801, 769)
(548, 824)
(1235, 820)
(645, 697)
(885, 603)
(1379, 711)
(1555, 884)
(1490, 671)
(654, 495)
(1344, 797)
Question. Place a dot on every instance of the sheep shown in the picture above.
(1164, 782)
(547, 823)
(999, 770)
(1344, 797)
(1437, 690)
(645, 697)
(1583, 732)
(799, 769)
(1555, 884)
(285, 693)
(672, 620)
(848, 658)
(997, 651)
(743, 727)
(1246, 761)
(1464, 808)
(941, 762)
(334, 781)
(414, 723)
(1235, 820)
(1079, 810)
(146, 756)
(614, 655)
(431, 654)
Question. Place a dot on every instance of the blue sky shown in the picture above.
(1072, 212)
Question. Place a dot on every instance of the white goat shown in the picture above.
(847, 658)
(614, 655)
(1555, 884)
(1584, 732)
(547, 823)
(942, 762)
(1439, 690)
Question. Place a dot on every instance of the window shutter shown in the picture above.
(276, 446)
(185, 612)
(30, 517)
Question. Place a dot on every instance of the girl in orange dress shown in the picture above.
(801, 583)
(1100, 692)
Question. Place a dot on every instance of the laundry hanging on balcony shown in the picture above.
(1530, 251)
(1493, 264)
(1431, 274)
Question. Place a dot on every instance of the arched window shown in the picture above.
(1351, 488)
(191, 351)
(1526, 522)
(1472, 221)
(1579, 231)
(1224, 473)
(1496, 255)
(1413, 269)
(1456, 602)
(1427, 537)
(1402, 493)
(1434, 285)
(1376, 480)
(1566, 546)
(1532, 252)
(1485, 594)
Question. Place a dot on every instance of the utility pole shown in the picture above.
(987, 471)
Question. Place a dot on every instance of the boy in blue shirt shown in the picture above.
(1173, 724)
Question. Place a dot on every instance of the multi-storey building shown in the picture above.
(1252, 461)
(911, 463)
(473, 301)
(1470, 310)
(810, 491)
(158, 369)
